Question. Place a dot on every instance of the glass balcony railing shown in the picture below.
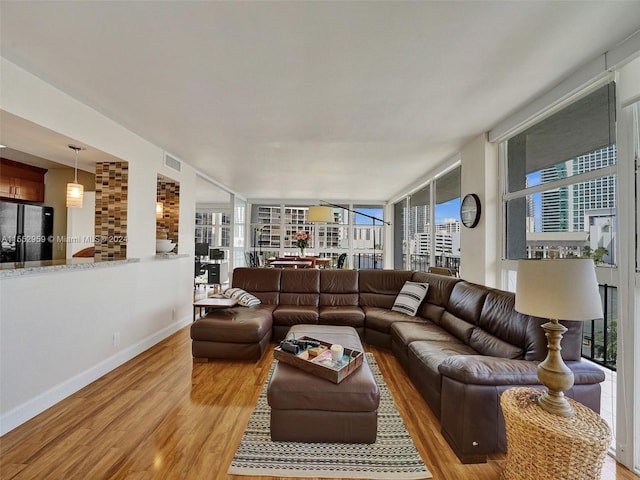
(367, 260)
(420, 263)
(600, 337)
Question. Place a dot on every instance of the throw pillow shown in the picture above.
(410, 297)
(244, 298)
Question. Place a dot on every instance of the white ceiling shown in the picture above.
(35, 145)
(351, 100)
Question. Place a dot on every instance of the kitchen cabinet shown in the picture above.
(19, 181)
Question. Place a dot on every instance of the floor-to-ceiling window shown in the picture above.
(560, 202)
(213, 227)
(239, 231)
(213, 215)
(368, 236)
(400, 245)
(276, 226)
(418, 218)
(446, 235)
(629, 335)
(427, 227)
(356, 234)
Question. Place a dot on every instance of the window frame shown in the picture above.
(557, 111)
(404, 252)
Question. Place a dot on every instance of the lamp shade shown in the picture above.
(562, 289)
(75, 194)
(320, 214)
(159, 210)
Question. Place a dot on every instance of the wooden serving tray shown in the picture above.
(322, 366)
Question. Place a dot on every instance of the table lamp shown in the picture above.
(557, 289)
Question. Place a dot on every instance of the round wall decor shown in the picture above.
(470, 210)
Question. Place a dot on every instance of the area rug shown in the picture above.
(392, 456)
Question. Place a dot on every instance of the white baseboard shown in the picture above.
(22, 413)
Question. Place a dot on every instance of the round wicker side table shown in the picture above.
(543, 446)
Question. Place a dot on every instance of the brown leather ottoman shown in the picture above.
(307, 408)
(232, 333)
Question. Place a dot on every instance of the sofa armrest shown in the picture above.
(585, 373)
(486, 370)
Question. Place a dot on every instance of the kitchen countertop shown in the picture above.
(13, 269)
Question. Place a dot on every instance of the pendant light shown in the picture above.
(75, 191)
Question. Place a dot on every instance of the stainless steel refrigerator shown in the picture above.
(26, 232)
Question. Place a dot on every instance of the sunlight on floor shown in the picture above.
(608, 401)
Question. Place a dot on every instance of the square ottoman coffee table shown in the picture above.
(307, 408)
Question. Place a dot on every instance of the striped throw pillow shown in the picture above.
(244, 298)
(410, 297)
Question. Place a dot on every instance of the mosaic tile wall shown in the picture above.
(169, 195)
(112, 181)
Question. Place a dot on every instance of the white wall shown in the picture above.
(56, 329)
(479, 160)
(629, 83)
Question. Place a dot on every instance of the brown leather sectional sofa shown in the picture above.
(465, 346)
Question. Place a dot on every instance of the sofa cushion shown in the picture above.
(295, 314)
(487, 344)
(406, 333)
(467, 300)
(381, 319)
(432, 354)
(456, 326)
(264, 283)
(438, 294)
(234, 325)
(348, 315)
(338, 287)
(431, 312)
(244, 298)
(500, 319)
(339, 300)
(300, 287)
(410, 297)
(379, 288)
(536, 341)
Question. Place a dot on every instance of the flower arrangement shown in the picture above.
(302, 241)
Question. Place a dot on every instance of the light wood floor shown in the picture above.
(162, 416)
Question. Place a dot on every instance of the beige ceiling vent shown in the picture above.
(172, 162)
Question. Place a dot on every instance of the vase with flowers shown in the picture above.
(302, 241)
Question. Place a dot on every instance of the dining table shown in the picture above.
(291, 263)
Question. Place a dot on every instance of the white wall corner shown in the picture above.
(492, 214)
(473, 241)
(34, 406)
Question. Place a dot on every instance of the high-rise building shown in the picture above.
(563, 209)
(555, 203)
(583, 207)
(447, 239)
(276, 227)
(418, 218)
